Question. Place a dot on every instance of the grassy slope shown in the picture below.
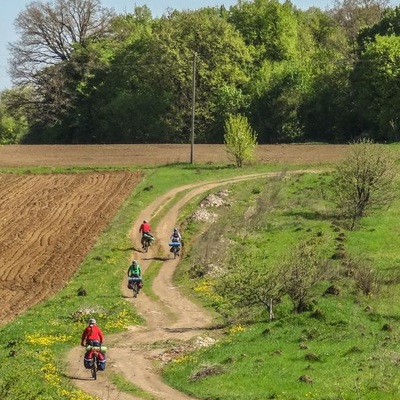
(347, 350)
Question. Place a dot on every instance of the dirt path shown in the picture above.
(172, 318)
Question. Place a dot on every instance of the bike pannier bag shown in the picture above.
(101, 362)
(101, 365)
(88, 360)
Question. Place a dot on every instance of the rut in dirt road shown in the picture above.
(172, 317)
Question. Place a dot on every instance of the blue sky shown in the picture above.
(9, 13)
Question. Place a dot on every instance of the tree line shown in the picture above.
(83, 74)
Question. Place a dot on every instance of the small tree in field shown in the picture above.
(244, 289)
(364, 180)
(240, 139)
(299, 272)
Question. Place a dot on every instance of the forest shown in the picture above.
(83, 74)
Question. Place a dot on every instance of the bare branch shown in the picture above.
(48, 33)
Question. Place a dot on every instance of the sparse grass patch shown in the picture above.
(128, 387)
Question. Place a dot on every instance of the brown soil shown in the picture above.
(142, 154)
(52, 219)
(48, 224)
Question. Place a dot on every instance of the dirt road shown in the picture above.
(172, 318)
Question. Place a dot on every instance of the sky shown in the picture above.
(10, 12)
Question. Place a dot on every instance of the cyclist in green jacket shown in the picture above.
(134, 270)
(135, 275)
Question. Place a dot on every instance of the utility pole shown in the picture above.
(193, 108)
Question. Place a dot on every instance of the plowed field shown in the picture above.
(145, 154)
(48, 224)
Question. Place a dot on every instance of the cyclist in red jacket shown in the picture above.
(92, 335)
(145, 229)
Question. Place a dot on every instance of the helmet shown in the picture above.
(144, 221)
(92, 321)
(134, 262)
(175, 230)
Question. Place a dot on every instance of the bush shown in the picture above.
(364, 180)
(240, 139)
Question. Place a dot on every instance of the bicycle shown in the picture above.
(135, 283)
(95, 350)
(94, 365)
(146, 242)
(175, 248)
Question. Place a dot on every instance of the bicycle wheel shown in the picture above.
(176, 251)
(94, 367)
(145, 245)
(135, 289)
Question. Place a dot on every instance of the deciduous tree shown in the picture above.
(240, 139)
(364, 179)
(355, 15)
(13, 120)
(42, 58)
(49, 31)
(376, 84)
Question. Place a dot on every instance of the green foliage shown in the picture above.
(11, 130)
(46, 59)
(299, 75)
(249, 287)
(13, 121)
(240, 139)
(269, 27)
(301, 354)
(221, 60)
(364, 180)
(375, 80)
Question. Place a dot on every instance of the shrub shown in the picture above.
(240, 139)
(300, 272)
(364, 180)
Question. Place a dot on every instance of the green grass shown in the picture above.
(346, 347)
(48, 330)
(335, 357)
(350, 352)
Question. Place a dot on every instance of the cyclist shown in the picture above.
(175, 236)
(134, 270)
(92, 335)
(145, 229)
(175, 241)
